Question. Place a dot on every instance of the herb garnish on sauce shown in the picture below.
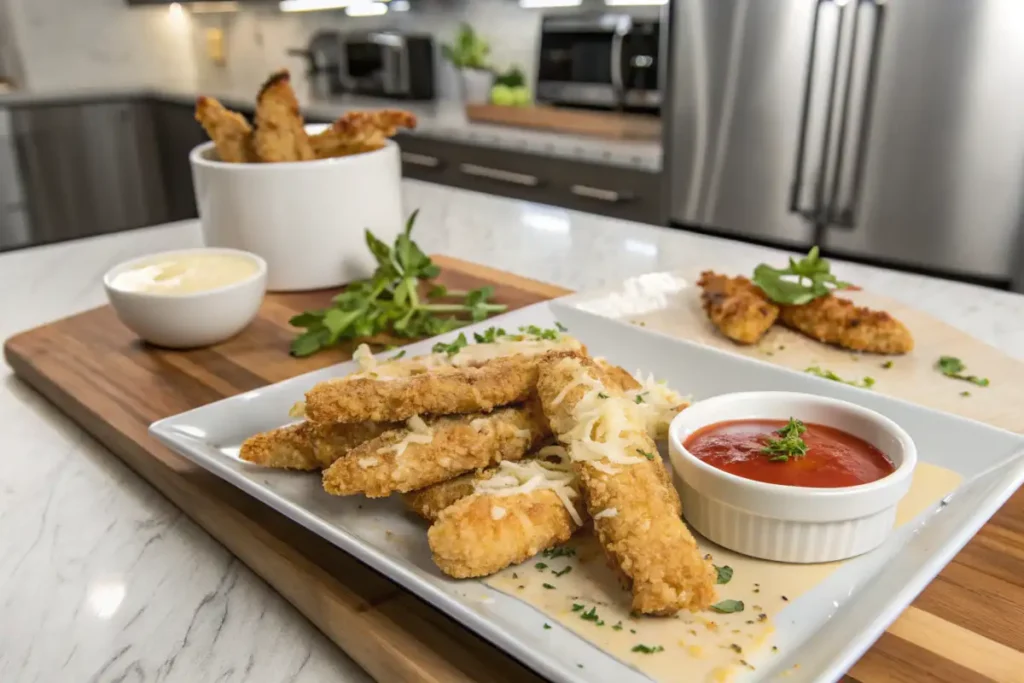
(790, 445)
(951, 366)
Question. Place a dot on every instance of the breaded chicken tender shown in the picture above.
(736, 306)
(837, 321)
(425, 453)
(635, 511)
(360, 131)
(280, 131)
(307, 446)
(430, 501)
(478, 378)
(230, 132)
(514, 511)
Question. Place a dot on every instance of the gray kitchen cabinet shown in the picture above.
(178, 133)
(614, 191)
(88, 168)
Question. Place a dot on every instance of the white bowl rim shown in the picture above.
(261, 272)
(196, 156)
(902, 472)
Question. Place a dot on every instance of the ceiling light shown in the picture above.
(312, 5)
(399, 5)
(366, 9)
(534, 4)
(213, 6)
(622, 3)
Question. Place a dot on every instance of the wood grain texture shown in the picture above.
(600, 124)
(966, 626)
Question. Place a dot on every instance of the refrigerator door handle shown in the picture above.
(842, 207)
(817, 212)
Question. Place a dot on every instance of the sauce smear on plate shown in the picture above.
(833, 458)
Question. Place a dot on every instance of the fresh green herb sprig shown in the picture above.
(790, 445)
(559, 551)
(724, 574)
(648, 649)
(390, 302)
(813, 279)
(951, 366)
(728, 606)
(865, 383)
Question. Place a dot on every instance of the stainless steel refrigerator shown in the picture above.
(891, 131)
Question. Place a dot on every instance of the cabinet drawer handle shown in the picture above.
(498, 174)
(420, 160)
(589, 192)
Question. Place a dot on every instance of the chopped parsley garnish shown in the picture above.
(813, 280)
(601, 394)
(950, 366)
(560, 551)
(563, 572)
(576, 607)
(639, 398)
(590, 615)
(965, 393)
(728, 606)
(633, 631)
(547, 627)
(724, 574)
(865, 383)
(490, 335)
(561, 327)
(400, 354)
(886, 365)
(540, 566)
(648, 649)
(548, 586)
(534, 331)
(617, 627)
(790, 445)
(649, 456)
(452, 348)
(736, 648)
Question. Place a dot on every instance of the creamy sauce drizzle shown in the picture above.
(185, 274)
(697, 647)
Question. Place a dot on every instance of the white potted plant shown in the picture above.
(469, 55)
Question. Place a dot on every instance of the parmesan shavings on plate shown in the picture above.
(551, 470)
(365, 358)
(660, 403)
(419, 432)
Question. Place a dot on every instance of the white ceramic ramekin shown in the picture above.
(790, 523)
(184, 321)
(305, 218)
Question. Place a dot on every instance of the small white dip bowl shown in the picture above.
(790, 523)
(182, 321)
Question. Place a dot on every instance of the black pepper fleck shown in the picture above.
(785, 599)
(736, 648)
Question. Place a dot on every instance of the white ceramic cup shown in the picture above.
(306, 219)
(790, 523)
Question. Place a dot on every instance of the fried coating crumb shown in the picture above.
(230, 132)
(307, 446)
(280, 131)
(645, 540)
(360, 131)
(736, 306)
(456, 445)
(483, 533)
(837, 321)
(430, 501)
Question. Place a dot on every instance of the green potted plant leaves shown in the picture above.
(469, 54)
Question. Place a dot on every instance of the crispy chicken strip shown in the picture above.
(736, 306)
(833, 320)
(479, 378)
(307, 446)
(636, 514)
(430, 501)
(280, 132)
(360, 131)
(426, 453)
(230, 132)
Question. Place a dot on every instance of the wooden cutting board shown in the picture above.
(964, 627)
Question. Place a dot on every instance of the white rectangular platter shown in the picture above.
(824, 631)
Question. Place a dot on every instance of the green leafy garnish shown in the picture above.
(951, 366)
(576, 607)
(389, 302)
(590, 615)
(547, 627)
(886, 365)
(452, 348)
(540, 566)
(617, 627)
(728, 606)
(965, 393)
(540, 332)
(560, 551)
(790, 445)
(649, 456)
(648, 650)
(813, 279)
(724, 574)
(548, 586)
(563, 572)
(601, 394)
(400, 354)
(561, 327)
(865, 383)
(639, 398)
(490, 335)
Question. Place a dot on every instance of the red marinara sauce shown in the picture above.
(834, 459)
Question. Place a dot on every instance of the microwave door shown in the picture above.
(575, 68)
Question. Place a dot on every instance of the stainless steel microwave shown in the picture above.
(610, 61)
(388, 64)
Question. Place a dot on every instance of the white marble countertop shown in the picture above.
(443, 119)
(102, 579)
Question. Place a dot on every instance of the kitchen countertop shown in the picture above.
(102, 579)
(444, 120)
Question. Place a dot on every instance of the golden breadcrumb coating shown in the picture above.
(457, 444)
(644, 539)
(441, 391)
(307, 446)
(360, 131)
(280, 131)
(428, 502)
(230, 132)
(838, 321)
(484, 533)
(736, 306)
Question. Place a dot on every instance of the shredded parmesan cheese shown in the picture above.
(497, 512)
(514, 478)
(419, 432)
(523, 433)
(368, 462)
(607, 512)
(298, 410)
(658, 402)
(480, 424)
(365, 358)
